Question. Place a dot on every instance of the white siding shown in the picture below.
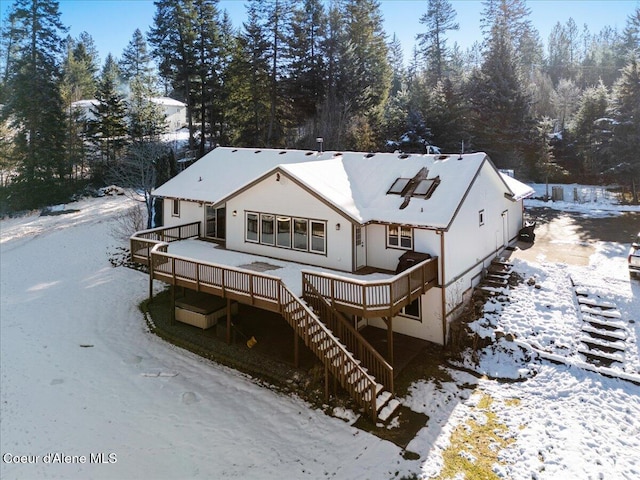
(285, 197)
(467, 242)
(430, 328)
(189, 212)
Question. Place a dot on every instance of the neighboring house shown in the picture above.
(348, 212)
(175, 111)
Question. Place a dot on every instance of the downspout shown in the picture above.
(443, 295)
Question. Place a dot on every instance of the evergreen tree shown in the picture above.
(366, 69)
(33, 101)
(586, 131)
(107, 131)
(249, 84)
(565, 101)
(625, 109)
(500, 108)
(173, 39)
(135, 61)
(185, 40)
(306, 63)
(145, 116)
(439, 19)
(511, 17)
(78, 83)
(207, 67)
(221, 105)
(630, 43)
(274, 17)
(396, 62)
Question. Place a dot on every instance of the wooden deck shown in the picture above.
(346, 355)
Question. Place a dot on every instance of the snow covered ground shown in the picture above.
(80, 375)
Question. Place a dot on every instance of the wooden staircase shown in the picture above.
(335, 357)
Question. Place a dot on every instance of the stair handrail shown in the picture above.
(385, 368)
(368, 404)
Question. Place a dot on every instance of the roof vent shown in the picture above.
(337, 154)
(309, 153)
(442, 157)
(282, 152)
(403, 156)
(257, 151)
(369, 155)
(234, 150)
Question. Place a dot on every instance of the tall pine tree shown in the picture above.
(33, 100)
(107, 130)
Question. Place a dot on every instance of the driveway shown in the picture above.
(569, 237)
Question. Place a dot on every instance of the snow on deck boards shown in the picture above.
(289, 272)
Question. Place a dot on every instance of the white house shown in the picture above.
(175, 111)
(341, 213)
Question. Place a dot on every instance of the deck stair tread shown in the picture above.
(494, 282)
(595, 303)
(601, 312)
(497, 276)
(614, 334)
(615, 345)
(605, 321)
(615, 357)
(388, 410)
(383, 398)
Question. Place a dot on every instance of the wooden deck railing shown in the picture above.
(142, 242)
(382, 298)
(371, 359)
(245, 286)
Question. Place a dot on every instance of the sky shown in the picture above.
(111, 23)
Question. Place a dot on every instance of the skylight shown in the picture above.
(399, 185)
(414, 187)
(426, 187)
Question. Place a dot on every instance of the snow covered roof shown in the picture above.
(168, 102)
(355, 183)
(86, 103)
(519, 189)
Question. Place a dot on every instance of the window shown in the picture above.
(481, 217)
(318, 240)
(283, 237)
(266, 229)
(252, 227)
(300, 235)
(399, 185)
(358, 236)
(175, 211)
(286, 232)
(412, 310)
(399, 237)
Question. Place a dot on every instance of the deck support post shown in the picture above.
(389, 322)
(296, 349)
(326, 383)
(173, 304)
(150, 280)
(228, 321)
